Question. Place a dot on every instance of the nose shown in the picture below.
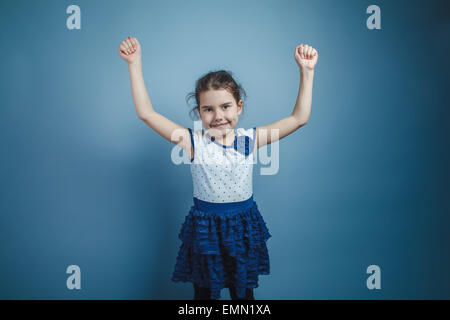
(218, 116)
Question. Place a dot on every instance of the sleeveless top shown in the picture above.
(223, 173)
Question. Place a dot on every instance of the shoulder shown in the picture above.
(197, 135)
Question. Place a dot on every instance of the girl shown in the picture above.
(224, 235)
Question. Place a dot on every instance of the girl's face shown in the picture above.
(219, 111)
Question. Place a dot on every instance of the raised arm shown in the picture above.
(130, 51)
(306, 59)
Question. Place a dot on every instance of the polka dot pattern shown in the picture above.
(222, 174)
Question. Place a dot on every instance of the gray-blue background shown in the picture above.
(83, 181)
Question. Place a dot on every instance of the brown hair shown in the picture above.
(215, 80)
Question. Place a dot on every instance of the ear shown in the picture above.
(239, 107)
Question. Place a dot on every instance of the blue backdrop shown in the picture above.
(85, 182)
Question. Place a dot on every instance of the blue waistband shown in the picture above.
(221, 207)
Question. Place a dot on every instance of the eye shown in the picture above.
(226, 106)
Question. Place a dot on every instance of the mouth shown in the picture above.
(220, 125)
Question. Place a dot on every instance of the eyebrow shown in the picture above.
(219, 105)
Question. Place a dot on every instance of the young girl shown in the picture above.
(224, 235)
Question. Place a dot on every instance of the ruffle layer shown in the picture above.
(223, 249)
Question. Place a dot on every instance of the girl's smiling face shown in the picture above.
(219, 111)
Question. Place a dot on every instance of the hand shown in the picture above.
(306, 57)
(130, 50)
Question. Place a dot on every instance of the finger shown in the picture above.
(125, 45)
(130, 42)
(309, 52)
(134, 42)
(123, 48)
(130, 45)
(314, 52)
(302, 50)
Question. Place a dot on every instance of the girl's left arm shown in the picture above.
(306, 59)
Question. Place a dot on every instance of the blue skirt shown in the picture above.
(223, 246)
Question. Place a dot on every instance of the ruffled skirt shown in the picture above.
(223, 245)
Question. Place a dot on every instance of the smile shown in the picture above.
(220, 125)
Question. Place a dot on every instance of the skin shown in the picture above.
(306, 59)
(213, 111)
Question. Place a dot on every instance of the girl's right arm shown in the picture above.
(130, 51)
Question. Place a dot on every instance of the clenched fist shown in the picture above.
(130, 50)
(306, 57)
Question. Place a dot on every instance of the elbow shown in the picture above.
(144, 117)
(300, 122)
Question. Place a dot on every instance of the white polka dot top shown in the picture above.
(223, 173)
